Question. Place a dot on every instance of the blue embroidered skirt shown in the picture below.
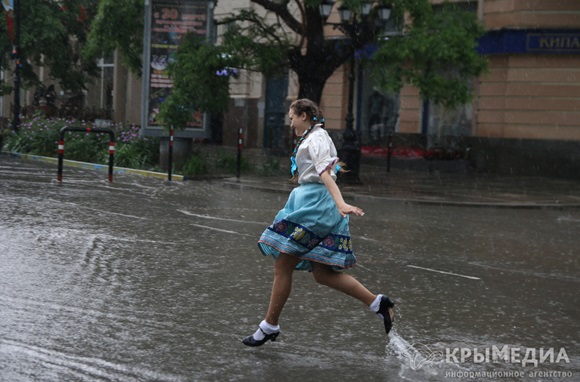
(311, 228)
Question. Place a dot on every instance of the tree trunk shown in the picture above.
(321, 58)
(310, 88)
(313, 71)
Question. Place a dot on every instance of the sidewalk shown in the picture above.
(460, 189)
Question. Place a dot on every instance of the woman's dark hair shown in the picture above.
(311, 109)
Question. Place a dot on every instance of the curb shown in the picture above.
(92, 166)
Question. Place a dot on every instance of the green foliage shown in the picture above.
(196, 85)
(86, 147)
(229, 163)
(254, 44)
(39, 136)
(270, 168)
(5, 89)
(118, 25)
(437, 54)
(52, 35)
(195, 165)
(134, 151)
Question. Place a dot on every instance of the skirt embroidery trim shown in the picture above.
(309, 240)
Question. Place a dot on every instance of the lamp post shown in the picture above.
(355, 24)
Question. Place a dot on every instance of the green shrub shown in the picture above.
(229, 163)
(195, 165)
(134, 151)
(39, 136)
(270, 168)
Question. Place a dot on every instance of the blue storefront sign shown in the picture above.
(507, 41)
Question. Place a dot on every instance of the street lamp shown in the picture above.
(355, 24)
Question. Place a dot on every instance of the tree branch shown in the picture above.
(281, 9)
(266, 31)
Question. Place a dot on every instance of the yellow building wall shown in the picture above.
(530, 97)
(334, 101)
(530, 14)
(527, 96)
(410, 110)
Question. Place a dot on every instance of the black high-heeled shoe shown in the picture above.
(384, 312)
(251, 341)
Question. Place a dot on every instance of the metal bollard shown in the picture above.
(86, 130)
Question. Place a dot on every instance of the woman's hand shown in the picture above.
(345, 209)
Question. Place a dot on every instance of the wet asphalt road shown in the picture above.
(144, 280)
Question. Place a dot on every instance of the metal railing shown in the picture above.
(86, 130)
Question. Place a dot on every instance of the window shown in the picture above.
(107, 66)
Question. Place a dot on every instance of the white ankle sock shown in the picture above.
(376, 304)
(265, 328)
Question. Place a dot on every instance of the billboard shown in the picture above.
(166, 22)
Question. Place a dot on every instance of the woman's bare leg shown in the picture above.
(342, 282)
(281, 286)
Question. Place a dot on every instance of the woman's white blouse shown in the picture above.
(315, 155)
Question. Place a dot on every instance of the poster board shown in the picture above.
(165, 24)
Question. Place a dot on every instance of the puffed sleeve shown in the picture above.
(322, 152)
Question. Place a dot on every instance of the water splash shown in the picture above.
(415, 359)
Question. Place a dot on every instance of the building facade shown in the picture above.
(525, 112)
(524, 117)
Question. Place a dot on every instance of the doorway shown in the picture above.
(275, 133)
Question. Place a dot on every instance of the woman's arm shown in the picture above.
(343, 208)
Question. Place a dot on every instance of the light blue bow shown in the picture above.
(293, 166)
